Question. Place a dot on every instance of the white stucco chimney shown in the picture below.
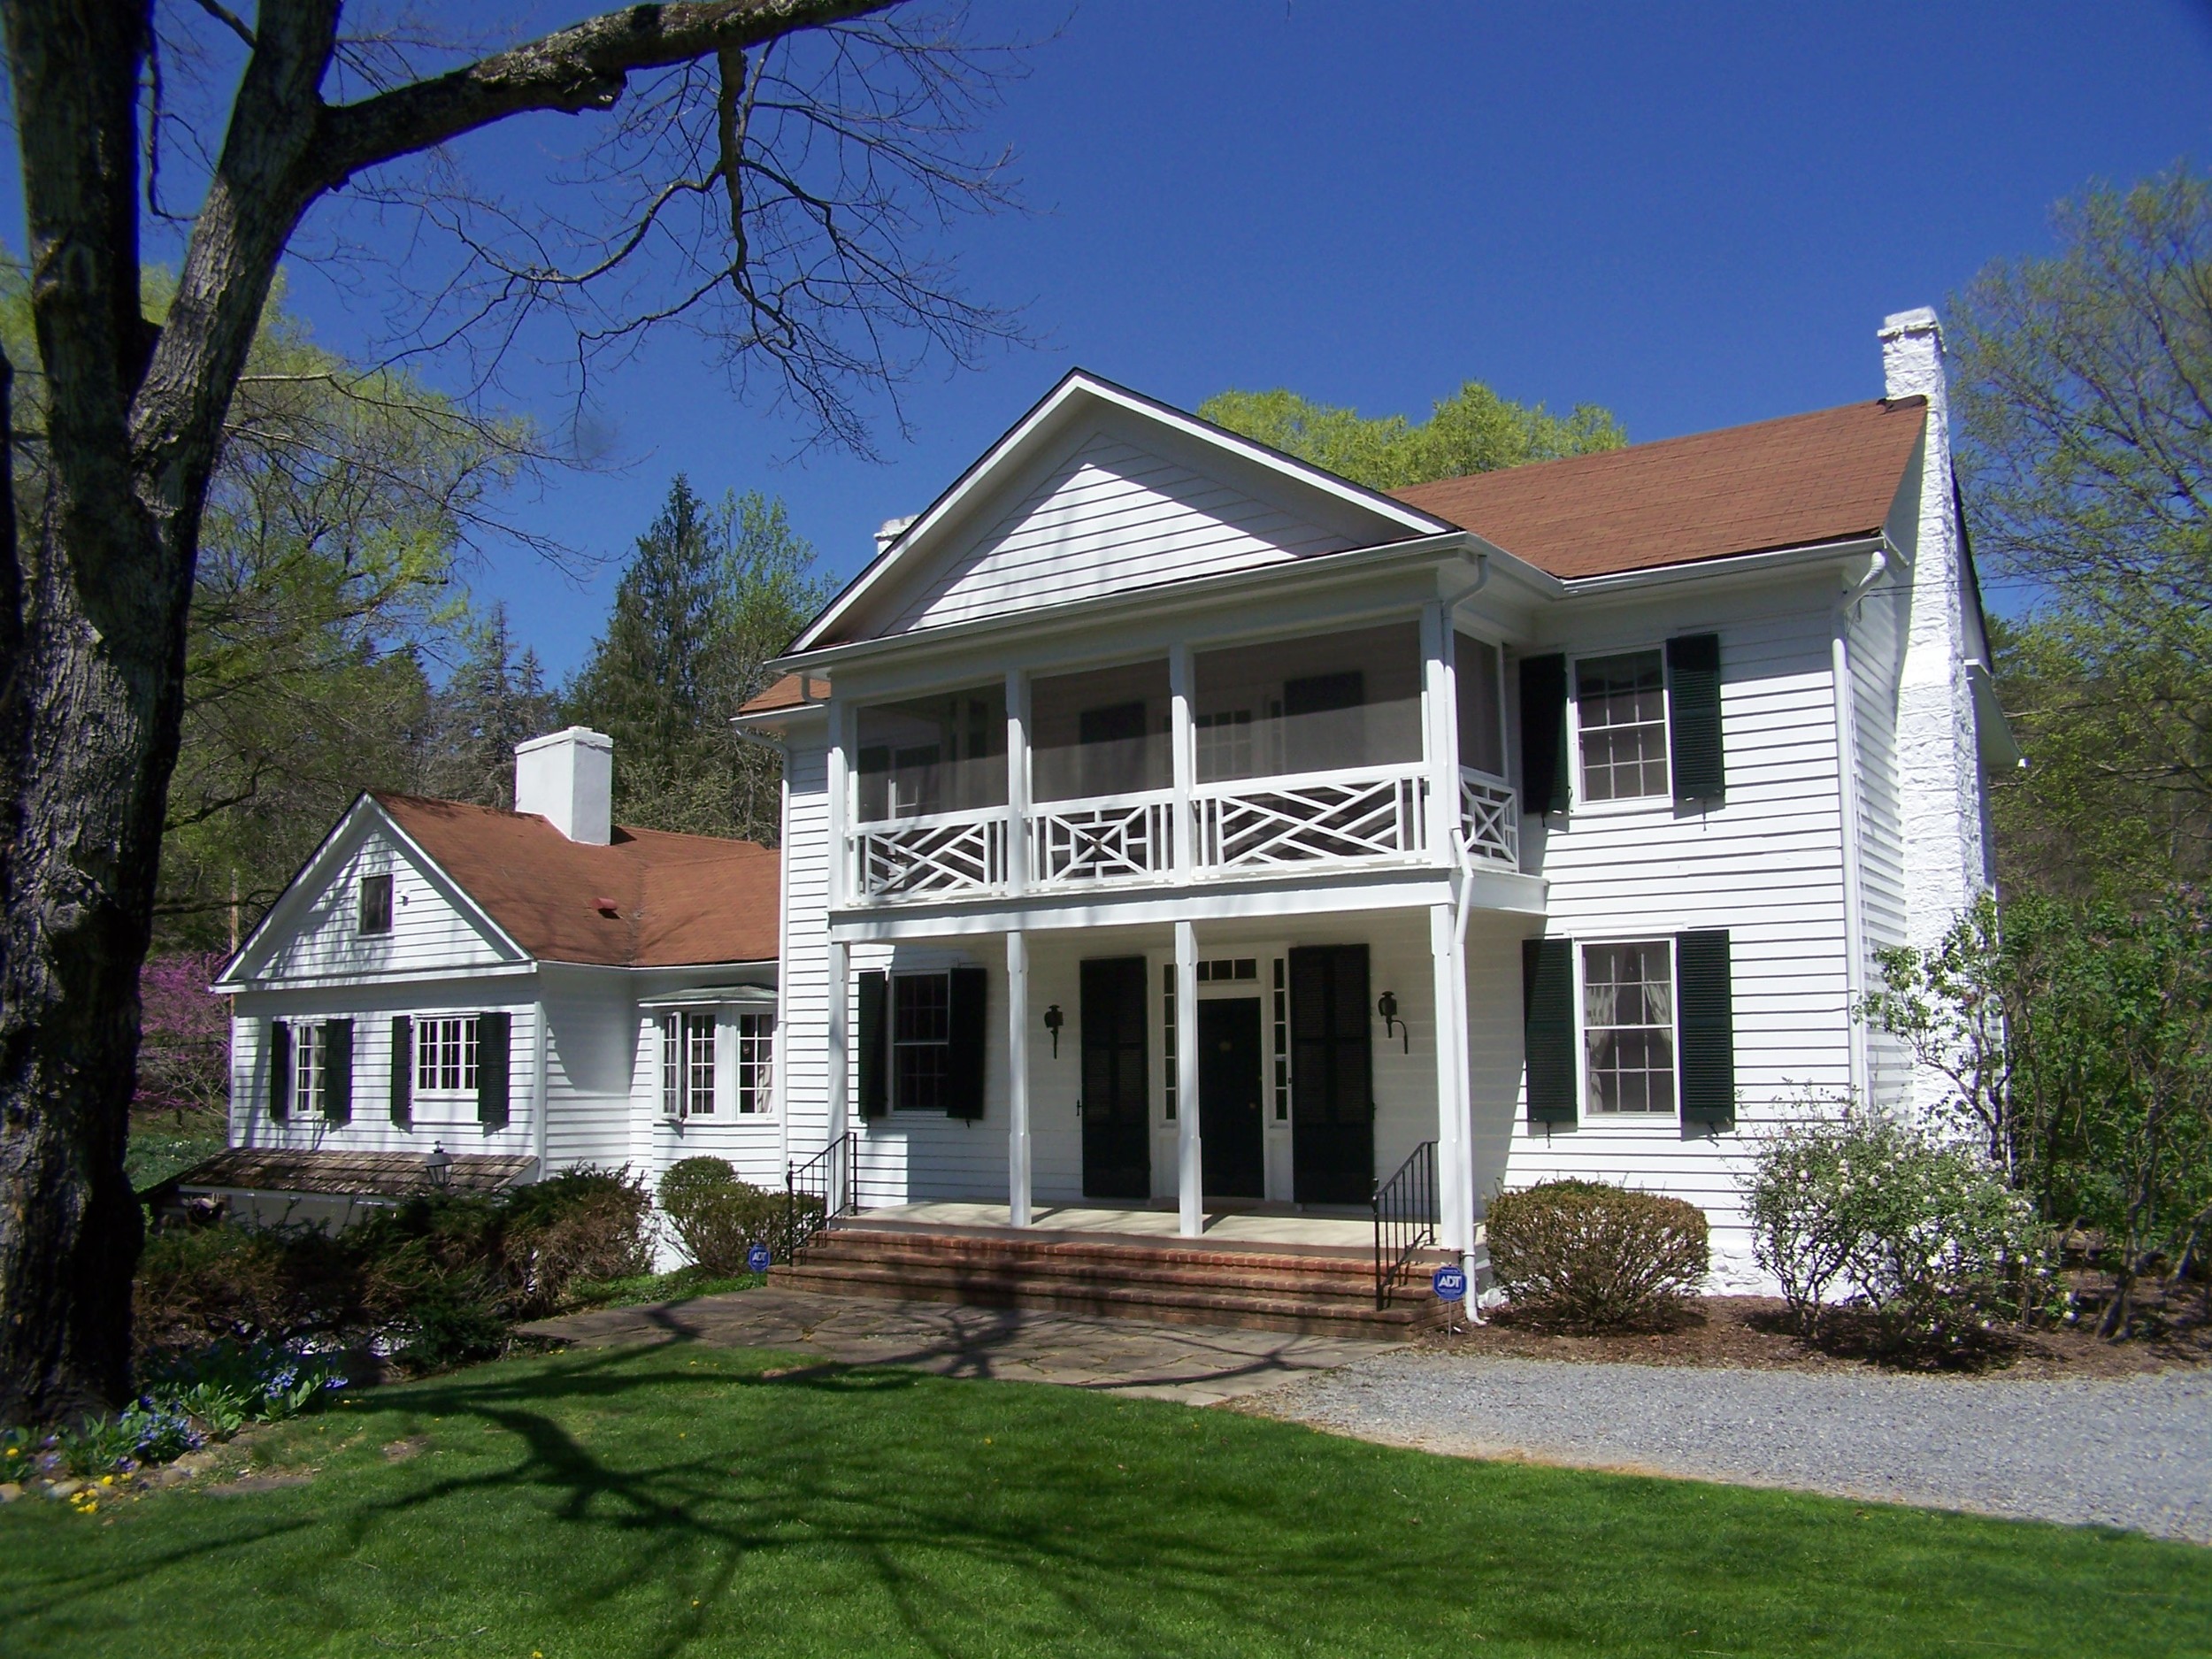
(568, 778)
(1946, 842)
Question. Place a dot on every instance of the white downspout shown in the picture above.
(1848, 809)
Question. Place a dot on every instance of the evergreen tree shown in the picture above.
(494, 700)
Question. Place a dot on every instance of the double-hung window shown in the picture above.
(687, 1065)
(1620, 713)
(755, 1063)
(376, 904)
(921, 1041)
(445, 1056)
(310, 1071)
(1628, 1027)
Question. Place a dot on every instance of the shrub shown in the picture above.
(718, 1217)
(1588, 1256)
(278, 1284)
(584, 1225)
(1862, 1211)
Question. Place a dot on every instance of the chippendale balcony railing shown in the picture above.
(1489, 821)
(1102, 840)
(1329, 818)
(944, 853)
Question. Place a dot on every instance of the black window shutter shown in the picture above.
(1694, 729)
(875, 1074)
(964, 1058)
(338, 1071)
(1544, 733)
(1548, 1024)
(1705, 1008)
(280, 1070)
(404, 1071)
(494, 1088)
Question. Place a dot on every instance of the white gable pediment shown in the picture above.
(313, 932)
(1096, 493)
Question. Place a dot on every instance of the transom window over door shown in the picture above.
(1621, 711)
(445, 1057)
(1628, 1027)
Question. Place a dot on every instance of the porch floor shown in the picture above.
(1256, 1224)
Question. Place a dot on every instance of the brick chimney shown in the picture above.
(567, 778)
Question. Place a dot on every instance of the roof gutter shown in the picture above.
(1727, 564)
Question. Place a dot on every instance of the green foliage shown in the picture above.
(1588, 1256)
(717, 1216)
(494, 699)
(642, 1289)
(1473, 430)
(1923, 1235)
(2084, 392)
(712, 593)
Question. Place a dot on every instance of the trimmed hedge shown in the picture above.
(717, 1217)
(1587, 1257)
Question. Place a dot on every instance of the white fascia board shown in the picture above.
(779, 724)
(370, 981)
(712, 996)
(1733, 569)
(236, 972)
(1105, 608)
(1037, 426)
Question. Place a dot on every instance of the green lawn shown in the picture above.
(688, 1501)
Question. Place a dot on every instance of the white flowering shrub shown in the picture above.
(1860, 1210)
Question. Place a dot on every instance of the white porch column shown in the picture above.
(1018, 1078)
(1440, 701)
(1454, 1172)
(1178, 685)
(839, 803)
(837, 991)
(1189, 1162)
(1017, 785)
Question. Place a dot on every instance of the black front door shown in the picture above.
(1117, 1106)
(1229, 1097)
(1332, 1089)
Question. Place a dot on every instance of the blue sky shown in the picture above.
(1695, 215)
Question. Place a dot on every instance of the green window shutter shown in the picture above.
(964, 1058)
(1544, 733)
(1547, 1027)
(403, 1093)
(338, 1071)
(280, 1070)
(1705, 1005)
(1694, 724)
(875, 1073)
(494, 1034)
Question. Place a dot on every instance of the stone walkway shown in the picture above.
(1196, 1364)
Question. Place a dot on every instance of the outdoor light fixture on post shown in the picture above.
(1387, 1007)
(439, 1166)
(1053, 1020)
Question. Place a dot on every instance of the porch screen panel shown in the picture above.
(1331, 1080)
(931, 754)
(1104, 732)
(1324, 702)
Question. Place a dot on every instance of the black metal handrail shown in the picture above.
(1405, 1218)
(815, 1193)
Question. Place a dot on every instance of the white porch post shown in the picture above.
(1189, 1159)
(1018, 1078)
(1178, 685)
(841, 804)
(1454, 1171)
(1017, 784)
(836, 1051)
(1440, 728)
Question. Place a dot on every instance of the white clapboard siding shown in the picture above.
(1112, 517)
(588, 1072)
(1767, 865)
(804, 973)
(1877, 641)
(428, 934)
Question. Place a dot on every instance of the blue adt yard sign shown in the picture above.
(756, 1259)
(1451, 1284)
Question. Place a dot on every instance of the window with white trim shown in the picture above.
(1628, 1027)
(921, 1041)
(755, 1063)
(311, 1046)
(687, 1065)
(445, 1056)
(1621, 716)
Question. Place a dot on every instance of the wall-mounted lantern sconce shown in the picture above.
(1387, 1007)
(439, 1167)
(1053, 1020)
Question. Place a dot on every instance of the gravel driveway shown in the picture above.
(2135, 1452)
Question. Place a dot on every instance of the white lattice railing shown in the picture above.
(950, 852)
(1326, 816)
(1489, 821)
(1074, 841)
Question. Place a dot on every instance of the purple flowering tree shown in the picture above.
(184, 1042)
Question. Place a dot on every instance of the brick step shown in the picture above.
(1161, 1303)
(884, 1243)
(1237, 1276)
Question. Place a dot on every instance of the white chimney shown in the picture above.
(568, 778)
(892, 530)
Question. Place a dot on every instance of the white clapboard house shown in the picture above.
(1200, 870)
(450, 996)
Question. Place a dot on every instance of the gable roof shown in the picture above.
(1080, 393)
(1799, 482)
(649, 899)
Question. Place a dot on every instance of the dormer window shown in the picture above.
(376, 904)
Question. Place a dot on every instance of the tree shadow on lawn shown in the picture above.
(865, 1509)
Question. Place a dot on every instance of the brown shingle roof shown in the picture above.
(788, 693)
(386, 1174)
(649, 900)
(1798, 481)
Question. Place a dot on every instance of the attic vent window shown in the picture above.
(376, 904)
